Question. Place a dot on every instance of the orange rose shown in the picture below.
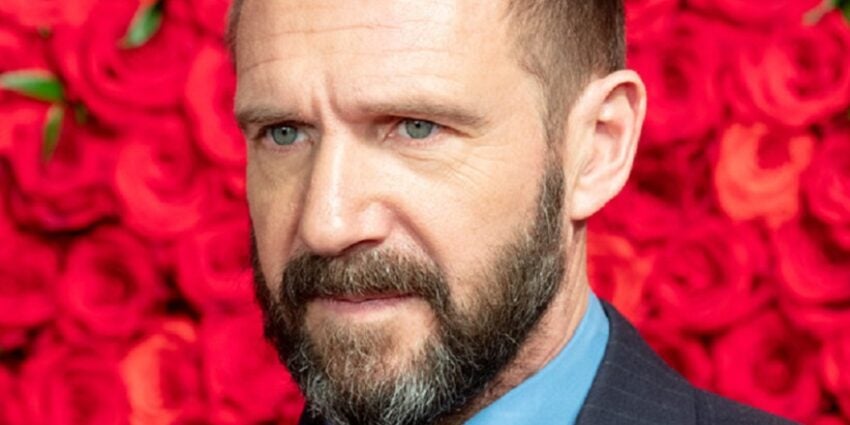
(758, 173)
(163, 376)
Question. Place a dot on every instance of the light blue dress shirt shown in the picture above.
(556, 392)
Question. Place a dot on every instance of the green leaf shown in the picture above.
(144, 25)
(51, 131)
(843, 5)
(81, 113)
(35, 83)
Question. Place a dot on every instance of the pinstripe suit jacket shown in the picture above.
(633, 386)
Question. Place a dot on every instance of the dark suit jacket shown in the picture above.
(633, 386)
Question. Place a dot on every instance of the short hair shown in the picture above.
(562, 43)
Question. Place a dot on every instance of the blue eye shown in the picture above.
(417, 129)
(284, 135)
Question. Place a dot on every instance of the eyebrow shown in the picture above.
(438, 112)
(264, 115)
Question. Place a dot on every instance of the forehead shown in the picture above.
(349, 46)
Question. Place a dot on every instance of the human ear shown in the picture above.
(610, 111)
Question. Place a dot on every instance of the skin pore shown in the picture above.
(347, 78)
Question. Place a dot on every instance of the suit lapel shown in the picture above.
(633, 385)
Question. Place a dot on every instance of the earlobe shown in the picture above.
(615, 106)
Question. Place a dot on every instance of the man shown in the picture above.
(419, 177)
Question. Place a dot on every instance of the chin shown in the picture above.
(376, 350)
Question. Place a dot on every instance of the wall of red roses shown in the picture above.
(125, 289)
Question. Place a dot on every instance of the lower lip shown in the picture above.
(361, 306)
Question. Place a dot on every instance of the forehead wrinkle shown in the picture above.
(405, 44)
(300, 17)
(266, 61)
(334, 29)
(408, 50)
(378, 93)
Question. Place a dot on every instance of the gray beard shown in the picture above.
(346, 372)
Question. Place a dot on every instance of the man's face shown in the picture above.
(383, 241)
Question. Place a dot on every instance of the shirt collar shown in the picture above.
(556, 392)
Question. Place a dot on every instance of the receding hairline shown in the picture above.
(561, 43)
(529, 14)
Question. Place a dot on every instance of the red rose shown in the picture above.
(64, 385)
(821, 320)
(210, 106)
(212, 15)
(796, 76)
(812, 271)
(214, 266)
(758, 172)
(639, 216)
(835, 368)
(702, 274)
(677, 175)
(39, 14)
(163, 377)
(126, 85)
(776, 12)
(159, 179)
(18, 51)
(21, 127)
(28, 272)
(12, 338)
(110, 285)
(766, 363)
(233, 181)
(10, 403)
(827, 419)
(70, 191)
(646, 18)
(617, 271)
(827, 185)
(680, 80)
(247, 383)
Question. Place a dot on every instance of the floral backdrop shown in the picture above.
(125, 292)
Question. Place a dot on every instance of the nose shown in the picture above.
(343, 207)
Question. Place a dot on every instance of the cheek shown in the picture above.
(273, 210)
(466, 216)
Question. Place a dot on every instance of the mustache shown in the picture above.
(364, 273)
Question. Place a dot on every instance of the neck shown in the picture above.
(551, 334)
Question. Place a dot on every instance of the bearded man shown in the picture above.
(419, 178)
